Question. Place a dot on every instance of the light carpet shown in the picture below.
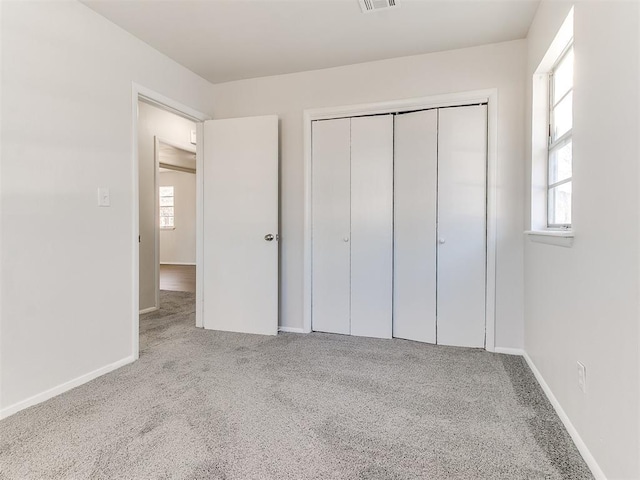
(212, 405)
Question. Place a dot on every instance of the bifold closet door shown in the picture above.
(415, 203)
(371, 225)
(331, 225)
(462, 161)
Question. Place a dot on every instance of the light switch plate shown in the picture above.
(582, 377)
(104, 197)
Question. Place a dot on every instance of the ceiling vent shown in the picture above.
(375, 5)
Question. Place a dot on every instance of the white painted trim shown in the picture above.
(138, 92)
(199, 224)
(1, 219)
(575, 436)
(291, 329)
(135, 228)
(405, 105)
(307, 118)
(149, 310)
(510, 351)
(492, 219)
(64, 387)
(187, 264)
(490, 96)
(156, 213)
(551, 237)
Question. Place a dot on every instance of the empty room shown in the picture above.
(319, 239)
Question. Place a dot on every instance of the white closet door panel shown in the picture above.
(462, 159)
(415, 199)
(371, 225)
(330, 190)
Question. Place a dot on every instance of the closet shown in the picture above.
(399, 225)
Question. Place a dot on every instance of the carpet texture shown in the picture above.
(212, 405)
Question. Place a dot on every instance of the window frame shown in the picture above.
(566, 138)
(172, 206)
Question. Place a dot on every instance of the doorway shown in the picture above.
(146, 243)
(177, 216)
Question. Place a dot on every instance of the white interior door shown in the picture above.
(462, 162)
(331, 225)
(240, 210)
(415, 204)
(372, 226)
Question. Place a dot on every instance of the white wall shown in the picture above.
(67, 281)
(152, 122)
(498, 66)
(179, 244)
(581, 303)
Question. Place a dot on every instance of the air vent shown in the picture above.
(375, 5)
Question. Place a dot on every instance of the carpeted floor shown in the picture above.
(211, 405)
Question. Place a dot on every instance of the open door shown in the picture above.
(240, 228)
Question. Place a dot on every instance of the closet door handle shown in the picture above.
(441, 240)
(345, 239)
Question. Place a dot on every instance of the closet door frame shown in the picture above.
(490, 97)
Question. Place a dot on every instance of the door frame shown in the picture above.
(139, 92)
(488, 96)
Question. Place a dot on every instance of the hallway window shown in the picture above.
(167, 219)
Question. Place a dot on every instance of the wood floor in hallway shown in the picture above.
(178, 278)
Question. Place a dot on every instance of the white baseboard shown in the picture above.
(190, 264)
(577, 439)
(64, 387)
(291, 329)
(148, 310)
(575, 436)
(510, 351)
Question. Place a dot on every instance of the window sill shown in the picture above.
(559, 238)
(167, 228)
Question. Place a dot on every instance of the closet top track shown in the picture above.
(403, 112)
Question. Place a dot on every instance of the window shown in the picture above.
(166, 208)
(560, 155)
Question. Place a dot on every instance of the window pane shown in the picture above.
(166, 191)
(166, 211)
(563, 117)
(166, 222)
(560, 204)
(166, 201)
(560, 163)
(563, 76)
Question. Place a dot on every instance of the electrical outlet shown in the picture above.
(582, 377)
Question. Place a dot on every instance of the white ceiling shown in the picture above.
(224, 40)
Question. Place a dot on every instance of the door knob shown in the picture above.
(345, 239)
(268, 237)
(441, 240)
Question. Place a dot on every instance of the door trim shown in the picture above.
(139, 92)
(489, 96)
